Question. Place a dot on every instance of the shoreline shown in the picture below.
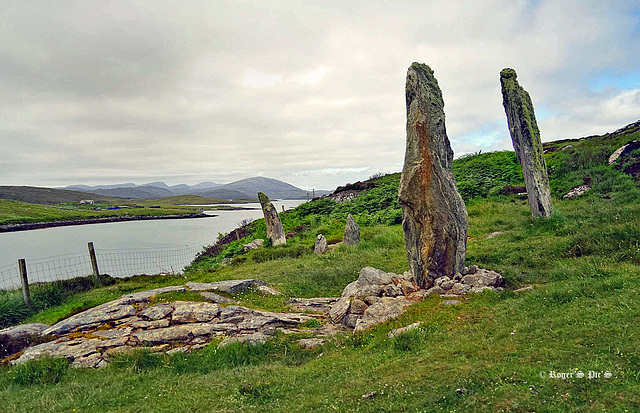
(28, 226)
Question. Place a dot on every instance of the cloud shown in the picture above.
(311, 93)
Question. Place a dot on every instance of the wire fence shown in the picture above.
(116, 263)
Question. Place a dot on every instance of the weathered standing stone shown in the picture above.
(275, 231)
(351, 232)
(526, 142)
(321, 245)
(434, 218)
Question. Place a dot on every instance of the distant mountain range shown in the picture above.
(244, 189)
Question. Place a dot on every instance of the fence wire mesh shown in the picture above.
(116, 263)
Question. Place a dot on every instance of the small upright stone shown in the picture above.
(526, 142)
(275, 231)
(351, 232)
(321, 245)
(434, 218)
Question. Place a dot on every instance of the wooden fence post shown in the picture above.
(26, 295)
(94, 263)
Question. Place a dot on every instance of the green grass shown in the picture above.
(15, 212)
(485, 355)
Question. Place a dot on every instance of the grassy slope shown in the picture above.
(15, 212)
(582, 315)
(50, 196)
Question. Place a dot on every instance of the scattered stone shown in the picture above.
(624, 149)
(566, 147)
(449, 296)
(577, 191)
(93, 361)
(227, 261)
(401, 330)
(250, 339)
(494, 234)
(335, 246)
(268, 290)
(321, 245)
(372, 299)
(391, 290)
(228, 286)
(357, 306)
(436, 289)
(156, 312)
(178, 333)
(92, 318)
(178, 350)
(350, 320)
(311, 342)
(317, 305)
(434, 218)
(14, 339)
(418, 295)
(216, 298)
(523, 289)
(447, 285)
(191, 312)
(483, 278)
(407, 287)
(339, 309)
(253, 245)
(460, 288)
(351, 232)
(450, 302)
(526, 142)
(478, 290)
(149, 325)
(387, 308)
(438, 281)
(374, 276)
(275, 231)
(145, 296)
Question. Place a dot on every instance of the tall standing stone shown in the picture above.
(434, 218)
(275, 231)
(351, 232)
(526, 142)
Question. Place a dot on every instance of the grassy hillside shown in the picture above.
(15, 212)
(495, 352)
(50, 196)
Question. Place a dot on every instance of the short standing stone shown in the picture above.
(275, 231)
(253, 245)
(526, 142)
(321, 245)
(351, 232)
(434, 218)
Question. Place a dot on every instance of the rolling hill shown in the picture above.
(50, 196)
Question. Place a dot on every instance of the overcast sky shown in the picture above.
(309, 92)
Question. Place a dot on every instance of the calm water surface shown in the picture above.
(154, 235)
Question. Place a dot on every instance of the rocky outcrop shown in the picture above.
(275, 231)
(526, 142)
(577, 191)
(377, 296)
(320, 246)
(623, 150)
(14, 339)
(351, 232)
(434, 218)
(90, 338)
(253, 245)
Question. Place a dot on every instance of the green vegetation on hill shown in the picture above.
(15, 212)
(50, 196)
(494, 352)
